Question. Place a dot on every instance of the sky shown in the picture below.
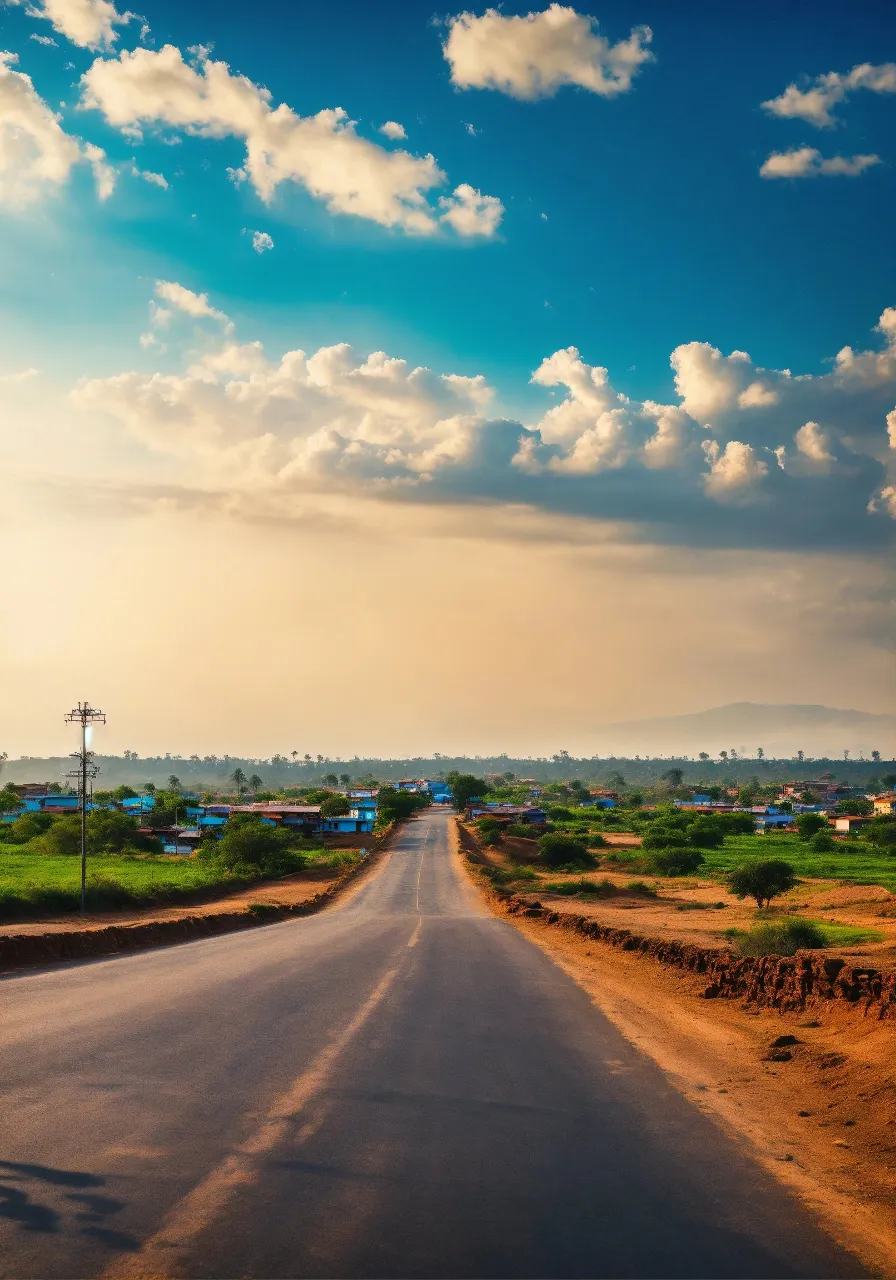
(381, 382)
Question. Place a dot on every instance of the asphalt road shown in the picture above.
(401, 1086)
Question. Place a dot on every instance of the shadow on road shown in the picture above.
(84, 1207)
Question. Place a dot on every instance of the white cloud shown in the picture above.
(192, 304)
(322, 152)
(884, 501)
(88, 23)
(392, 129)
(23, 375)
(470, 213)
(891, 428)
(156, 179)
(815, 103)
(534, 55)
(261, 241)
(336, 419)
(814, 444)
(103, 174)
(733, 471)
(807, 162)
(36, 154)
(44, 40)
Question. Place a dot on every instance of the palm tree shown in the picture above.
(239, 780)
(255, 783)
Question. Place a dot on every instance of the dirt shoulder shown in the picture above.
(823, 1122)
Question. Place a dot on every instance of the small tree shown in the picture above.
(706, 833)
(173, 782)
(859, 807)
(762, 880)
(331, 780)
(252, 847)
(9, 801)
(809, 824)
(334, 806)
(345, 779)
(489, 831)
(465, 787)
(673, 777)
(255, 783)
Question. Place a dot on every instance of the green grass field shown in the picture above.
(33, 884)
(853, 863)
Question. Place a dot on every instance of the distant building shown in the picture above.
(52, 802)
(506, 812)
(885, 803)
(848, 824)
(602, 799)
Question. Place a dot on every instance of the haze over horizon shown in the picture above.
(368, 386)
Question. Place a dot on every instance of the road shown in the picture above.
(401, 1086)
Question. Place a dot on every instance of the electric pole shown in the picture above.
(84, 714)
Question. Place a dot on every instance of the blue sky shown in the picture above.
(637, 292)
(658, 229)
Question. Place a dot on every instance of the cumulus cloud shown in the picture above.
(807, 162)
(470, 213)
(534, 55)
(323, 153)
(36, 153)
(815, 102)
(261, 241)
(336, 419)
(22, 375)
(734, 470)
(392, 129)
(89, 24)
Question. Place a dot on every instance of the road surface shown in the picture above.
(400, 1086)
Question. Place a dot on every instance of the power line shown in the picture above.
(84, 714)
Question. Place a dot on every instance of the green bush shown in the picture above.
(706, 833)
(763, 880)
(250, 847)
(524, 830)
(559, 813)
(781, 938)
(808, 824)
(674, 861)
(880, 832)
(822, 842)
(489, 830)
(596, 841)
(558, 850)
(664, 838)
(27, 827)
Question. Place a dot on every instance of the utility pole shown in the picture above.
(84, 714)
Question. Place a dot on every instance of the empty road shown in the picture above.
(400, 1086)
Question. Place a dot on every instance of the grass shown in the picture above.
(855, 863)
(768, 936)
(34, 884)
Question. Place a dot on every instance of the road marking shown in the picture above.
(164, 1254)
(420, 870)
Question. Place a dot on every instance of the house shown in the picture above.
(506, 812)
(772, 820)
(362, 793)
(138, 804)
(53, 802)
(351, 823)
(602, 799)
(885, 803)
(408, 784)
(848, 824)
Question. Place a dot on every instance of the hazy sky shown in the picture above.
(386, 384)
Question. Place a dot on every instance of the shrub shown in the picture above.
(881, 832)
(559, 813)
(251, 847)
(27, 826)
(559, 850)
(822, 842)
(596, 841)
(489, 830)
(808, 824)
(706, 833)
(674, 861)
(664, 838)
(781, 938)
(763, 880)
(524, 830)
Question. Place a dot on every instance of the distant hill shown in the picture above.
(781, 731)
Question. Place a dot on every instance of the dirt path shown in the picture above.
(823, 1122)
